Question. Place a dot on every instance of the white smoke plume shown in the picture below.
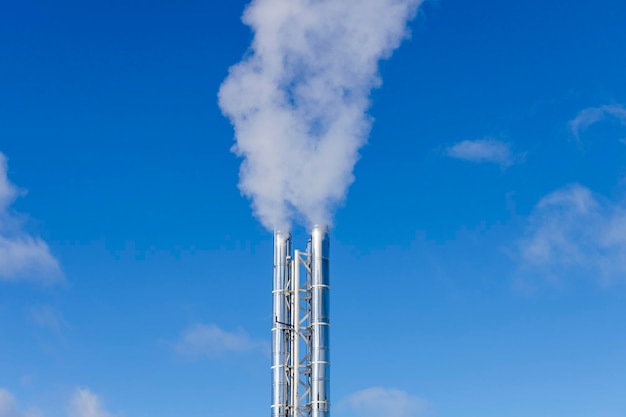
(298, 100)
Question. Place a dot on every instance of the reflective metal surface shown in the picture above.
(300, 332)
(281, 321)
(320, 322)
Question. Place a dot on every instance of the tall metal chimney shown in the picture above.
(320, 322)
(281, 325)
(300, 332)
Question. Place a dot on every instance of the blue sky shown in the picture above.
(478, 262)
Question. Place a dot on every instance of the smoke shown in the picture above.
(299, 98)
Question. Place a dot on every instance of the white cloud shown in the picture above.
(85, 403)
(592, 115)
(8, 406)
(212, 341)
(48, 318)
(22, 257)
(29, 259)
(576, 233)
(382, 402)
(484, 150)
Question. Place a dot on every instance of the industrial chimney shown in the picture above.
(300, 331)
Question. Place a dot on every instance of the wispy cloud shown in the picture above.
(22, 257)
(85, 403)
(48, 318)
(382, 402)
(591, 115)
(8, 406)
(82, 403)
(211, 341)
(484, 150)
(574, 232)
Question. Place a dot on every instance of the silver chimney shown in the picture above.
(281, 325)
(300, 332)
(320, 323)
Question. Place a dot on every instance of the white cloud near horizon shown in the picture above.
(85, 403)
(592, 115)
(382, 402)
(209, 340)
(8, 406)
(82, 403)
(574, 232)
(22, 257)
(484, 150)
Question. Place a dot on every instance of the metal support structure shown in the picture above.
(300, 333)
(295, 336)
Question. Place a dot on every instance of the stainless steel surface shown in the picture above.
(320, 322)
(280, 329)
(300, 332)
